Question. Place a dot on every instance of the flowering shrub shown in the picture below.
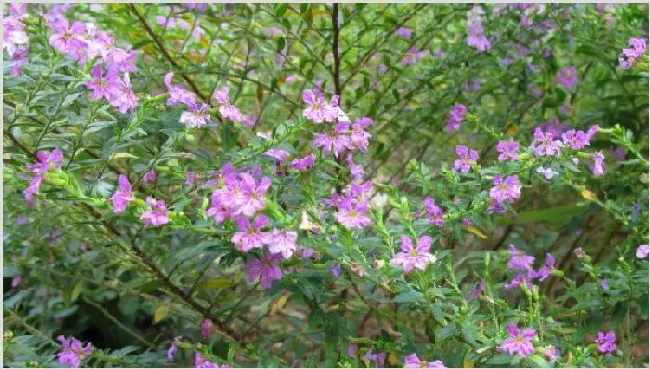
(346, 185)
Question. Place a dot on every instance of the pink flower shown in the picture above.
(197, 117)
(508, 150)
(466, 158)
(456, 117)
(47, 161)
(413, 361)
(251, 199)
(413, 56)
(606, 342)
(199, 362)
(336, 140)
(150, 176)
(642, 251)
(121, 95)
(283, 242)
(177, 94)
(278, 154)
(506, 190)
(599, 164)
(305, 163)
(414, 257)
(250, 236)
(227, 110)
(518, 342)
(353, 215)
(552, 353)
(73, 353)
(546, 145)
(123, 196)
(519, 260)
(434, 212)
(267, 269)
(102, 85)
(379, 359)
(319, 111)
(68, 40)
(158, 215)
(359, 138)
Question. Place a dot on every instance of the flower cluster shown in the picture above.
(46, 161)
(73, 353)
(475, 34)
(86, 43)
(523, 264)
(15, 39)
(630, 57)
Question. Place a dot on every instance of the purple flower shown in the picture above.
(606, 342)
(173, 349)
(15, 281)
(304, 164)
(508, 150)
(68, 40)
(567, 77)
(197, 117)
(519, 261)
(456, 116)
(404, 32)
(518, 342)
(190, 177)
(434, 212)
(604, 284)
(476, 292)
(546, 145)
(251, 197)
(413, 56)
(150, 176)
(123, 196)
(356, 170)
(642, 251)
(206, 328)
(199, 362)
(379, 359)
(73, 353)
(618, 152)
(506, 190)
(554, 127)
(359, 138)
(319, 111)
(278, 154)
(630, 57)
(336, 140)
(475, 34)
(548, 173)
(352, 350)
(177, 94)
(158, 215)
(250, 236)
(267, 269)
(121, 95)
(283, 242)
(353, 214)
(546, 270)
(599, 164)
(336, 270)
(414, 257)
(413, 361)
(227, 110)
(466, 158)
(552, 353)
(576, 139)
(102, 85)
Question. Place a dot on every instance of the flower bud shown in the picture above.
(56, 178)
(162, 168)
(139, 203)
(378, 264)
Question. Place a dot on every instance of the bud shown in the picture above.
(56, 178)
(535, 293)
(8, 335)
(486, 259)
(190, 137)
(378, 264)
(162, 168)
(557, 273)
(139, 203)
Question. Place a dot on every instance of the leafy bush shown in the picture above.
(347, 185)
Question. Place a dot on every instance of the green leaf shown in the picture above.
(215, 284)
(76, 291)
(500, 359)
(409, 296)
(537, 361)
(280, 10)
(122, 155)
(446, 331)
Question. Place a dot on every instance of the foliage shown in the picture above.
(237, 212)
